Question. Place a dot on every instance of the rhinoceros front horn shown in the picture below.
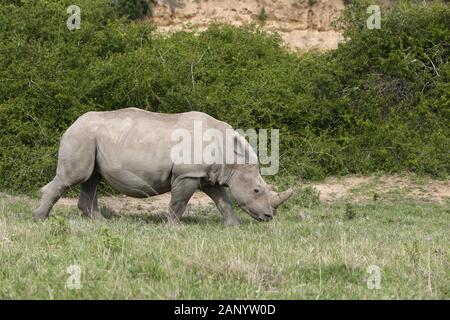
(281, 197)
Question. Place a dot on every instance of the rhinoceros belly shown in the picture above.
(134, 160)
(135, 184)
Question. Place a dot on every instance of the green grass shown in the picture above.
(323, 255)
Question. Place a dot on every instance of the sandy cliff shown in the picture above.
(303, 24)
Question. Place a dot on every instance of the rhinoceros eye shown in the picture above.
(255, 190)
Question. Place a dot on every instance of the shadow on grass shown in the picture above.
(198, 217)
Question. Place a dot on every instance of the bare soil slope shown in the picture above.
(303, 24)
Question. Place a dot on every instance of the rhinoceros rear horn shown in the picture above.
(281, 197)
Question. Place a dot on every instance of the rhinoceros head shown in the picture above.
(253, 194)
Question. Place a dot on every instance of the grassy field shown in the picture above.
(320, 252)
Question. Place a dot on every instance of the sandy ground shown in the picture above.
(353, 188)
(360, 188)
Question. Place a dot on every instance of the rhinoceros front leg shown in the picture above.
(181, 191)
(219, 195)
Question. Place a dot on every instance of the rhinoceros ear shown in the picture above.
(243, 150)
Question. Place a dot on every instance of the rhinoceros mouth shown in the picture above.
(264, 217)
(261, 217)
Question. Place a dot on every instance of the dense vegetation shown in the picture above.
(133, 9)
(380, 102)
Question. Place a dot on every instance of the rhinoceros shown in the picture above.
(131, 149)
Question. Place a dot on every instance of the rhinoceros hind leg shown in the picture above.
(181, 191)
(76, 162)
(87, 202)
(49, 195)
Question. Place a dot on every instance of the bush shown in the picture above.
(378, 102)
(59, 226)
(133, 9)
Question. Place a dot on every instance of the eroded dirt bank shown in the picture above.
(303, 24)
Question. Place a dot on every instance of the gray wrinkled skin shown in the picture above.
(131, 150)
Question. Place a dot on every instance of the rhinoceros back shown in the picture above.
(131, 148)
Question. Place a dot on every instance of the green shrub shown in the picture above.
(133, 9)
(59, 226)
(379, 102)
(350, 211)
(111, 242)
(307, 197)
(262, 16)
